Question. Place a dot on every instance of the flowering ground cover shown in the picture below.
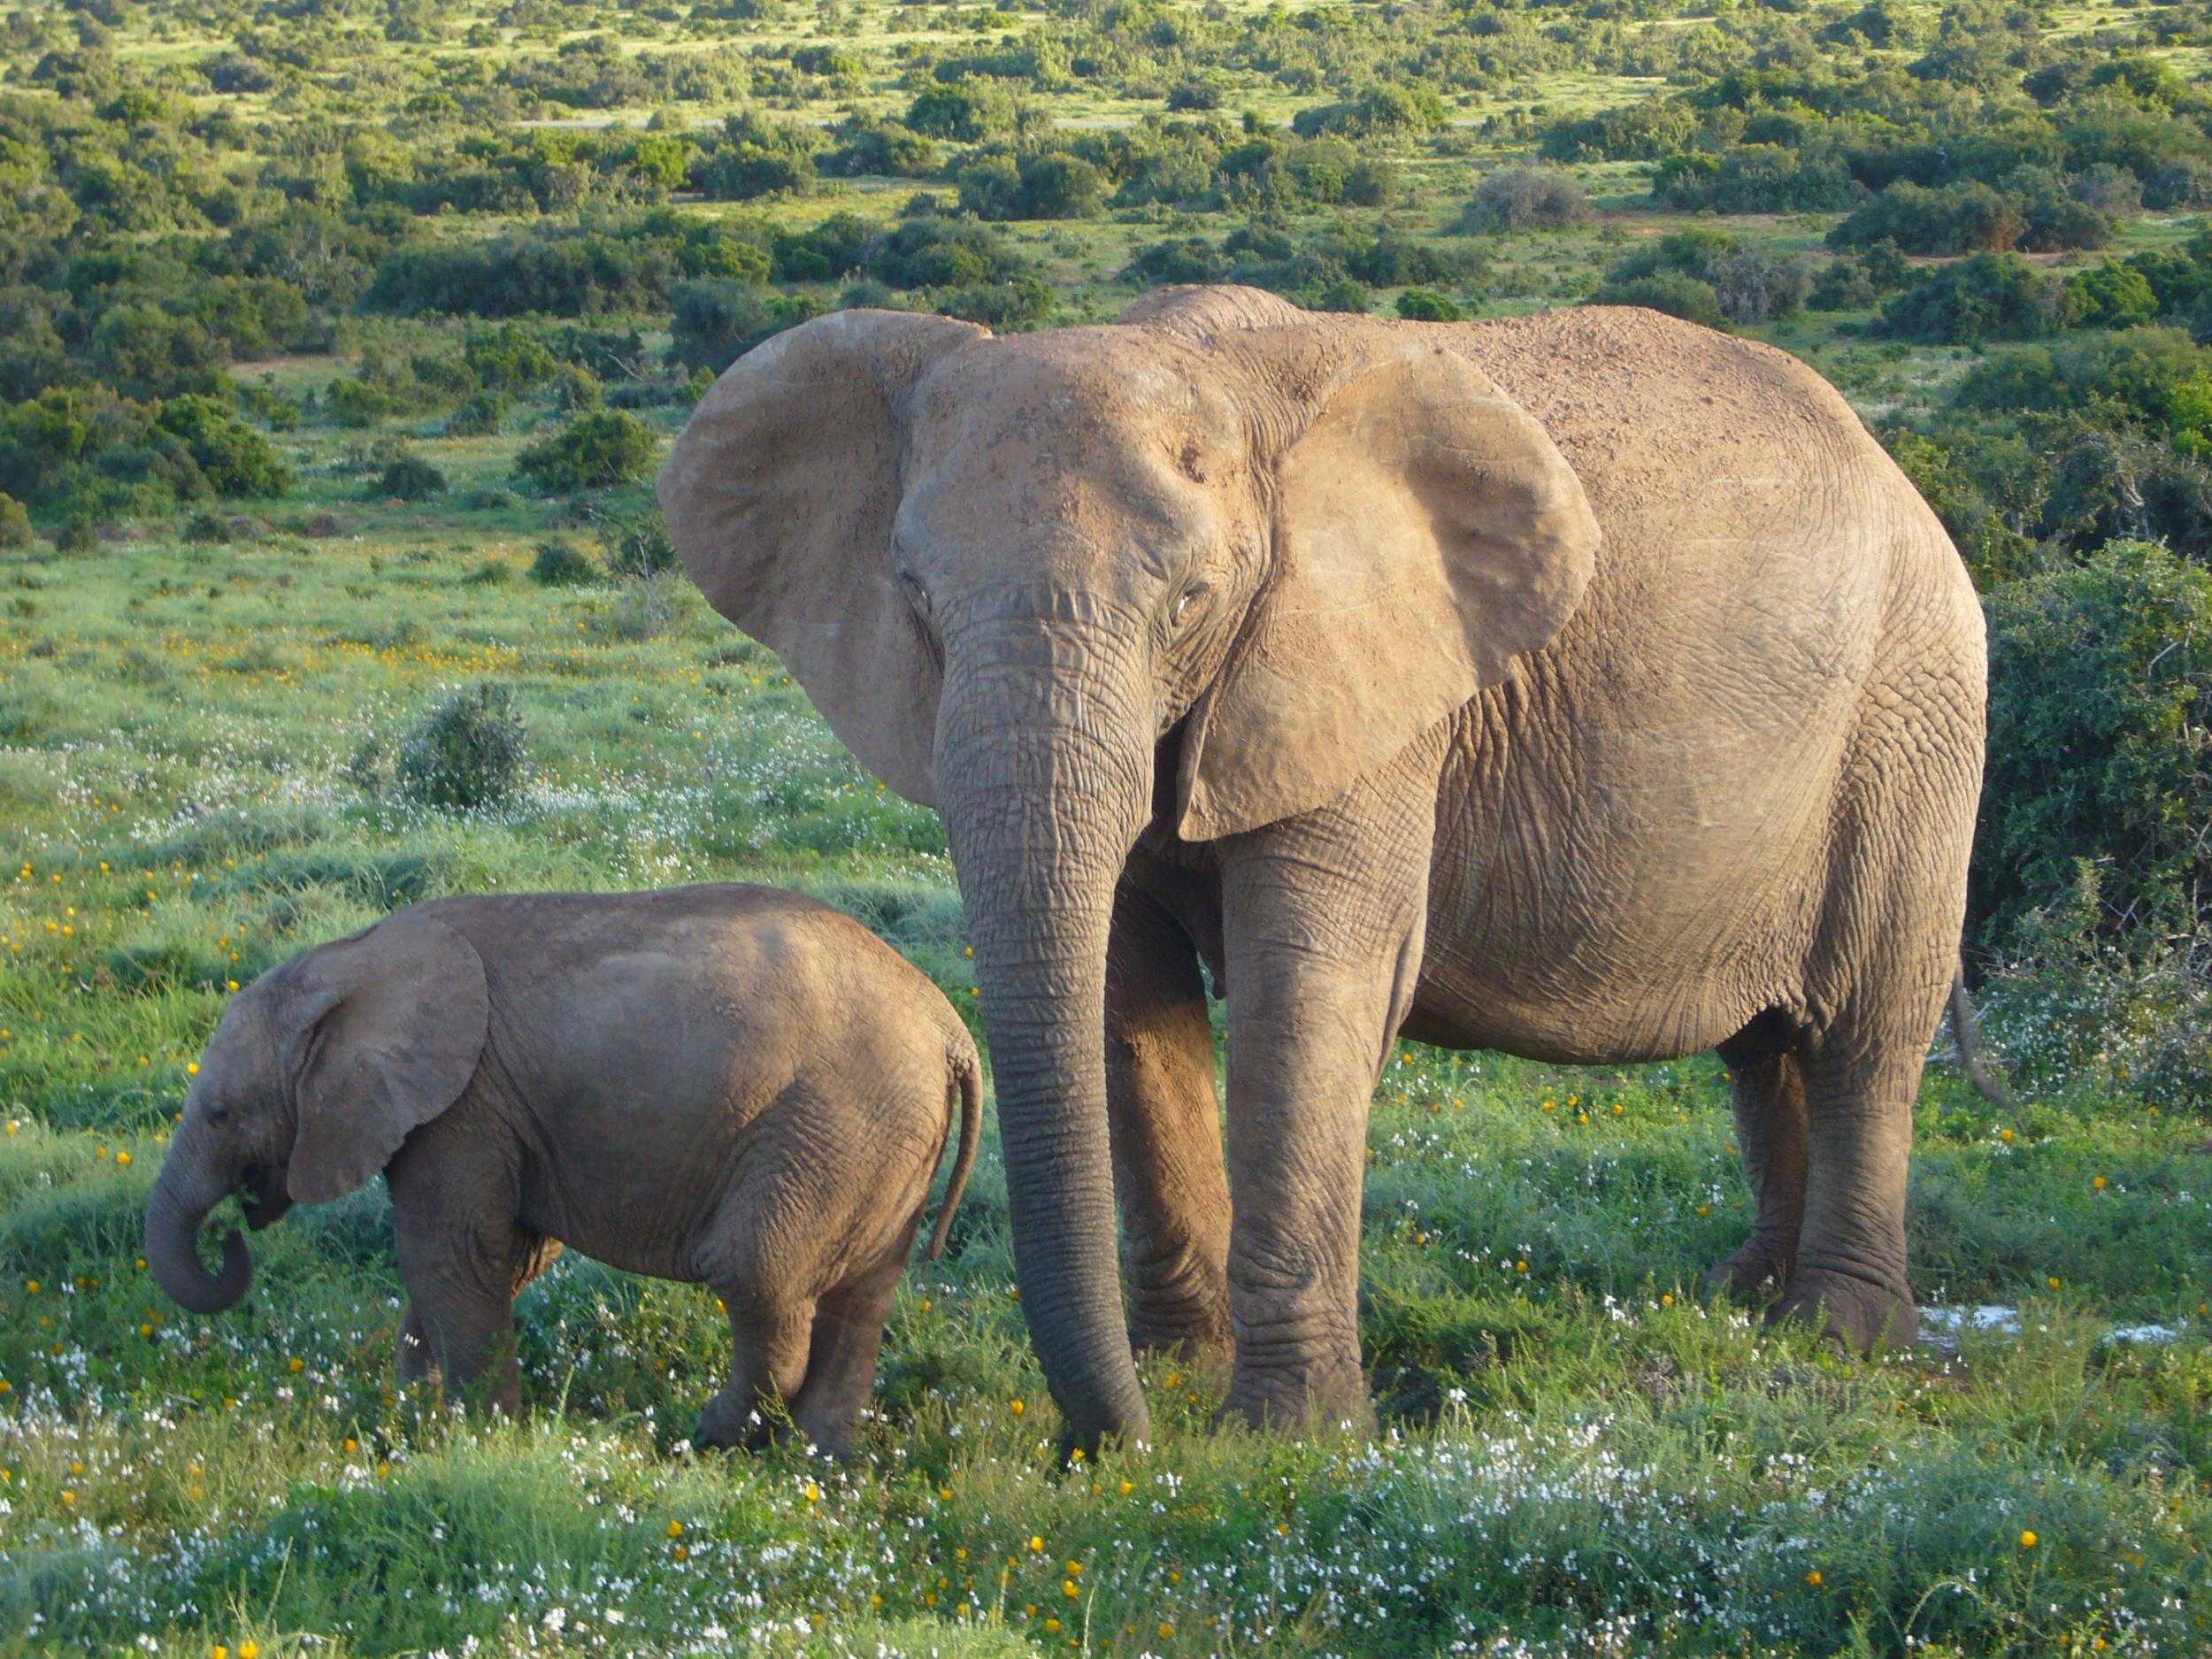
(1577, 1454)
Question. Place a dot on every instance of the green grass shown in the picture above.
(1579, 1454)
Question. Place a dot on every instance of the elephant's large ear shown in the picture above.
(388, 1028)
(1426, 532)
(780, 497)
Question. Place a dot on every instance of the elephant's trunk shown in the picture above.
(188, 1188)
(1043, 777)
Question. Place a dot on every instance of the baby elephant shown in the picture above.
(732, 1086)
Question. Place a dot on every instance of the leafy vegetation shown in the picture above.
(325, 323)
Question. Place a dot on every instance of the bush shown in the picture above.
(78, 535)
(479, 415)
(966, 111)
(208, 529)
(1179, 259)
(468, 751)
(1756, 179)
(560, 563)
(235, 459)
(1424, 305)
(15, 524)
(2110, 296)
(2100, 706)
(1747, 283)
(1673, 292)
(576, 388)
(1528, 198)
(596, 450)
(1857, 279)
(2066, 1005)
(643, 611)
(1989, 297)
(1958, 218)
(410, 479)
(639, 547)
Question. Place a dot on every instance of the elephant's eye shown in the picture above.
(1185, 600)
(219, 1114)
(916, 596)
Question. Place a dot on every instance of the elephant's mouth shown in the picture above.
(269, 1196)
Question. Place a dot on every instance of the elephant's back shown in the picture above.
(1635, 393)
(747, 987)
(1655, 801)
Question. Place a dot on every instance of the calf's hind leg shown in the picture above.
(768, 1340)
(847, 1336)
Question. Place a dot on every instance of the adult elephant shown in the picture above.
(1586, 685)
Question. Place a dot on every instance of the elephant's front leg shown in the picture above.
(1167, 1132)
(1323, 918)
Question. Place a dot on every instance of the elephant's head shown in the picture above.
(315, 1075)
(1211, 564)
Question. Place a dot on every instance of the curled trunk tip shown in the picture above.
(173, 1252)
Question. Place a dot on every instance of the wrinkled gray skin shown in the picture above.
(726, 1085)
(1587, 686)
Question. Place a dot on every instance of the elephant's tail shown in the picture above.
(1966, 1035)
(967, 1072)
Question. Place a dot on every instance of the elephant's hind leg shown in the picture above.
(769, 1335)
(1165, 1126)
(1851, 1277)
(1767, 1083)
(841, 1367)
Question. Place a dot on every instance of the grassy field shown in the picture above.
(1580, 1455)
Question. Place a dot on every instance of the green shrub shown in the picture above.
(479, 415)
(639, 547)
(410, 478)
(596, 450)
(208, 529)
(1747, 282)
(2111, 296)
(15, 524)
(966, 111)
(561, 563)
(576, 388)
(78, 535)
(1989, 297)
(1528, 198)
(1957, 219)
(2065, 1004)
(2099, 746)
(468, 751)
(1424, 305)
(234, 458)
(1674, 292)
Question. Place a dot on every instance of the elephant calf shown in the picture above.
(726, 1085)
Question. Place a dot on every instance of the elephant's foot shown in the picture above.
(1863, 1315)
(1758, 1272)
(734, 1421)
(1310, 1396)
